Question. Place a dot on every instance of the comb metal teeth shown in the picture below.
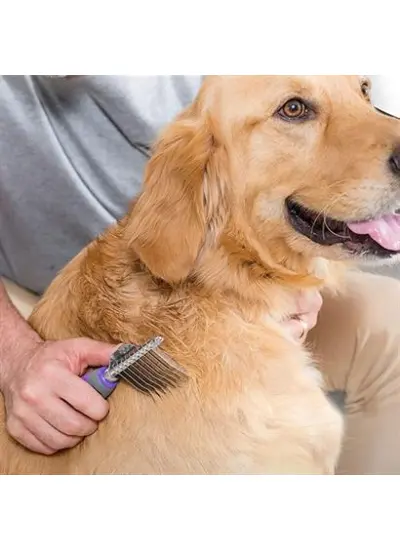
(148, 371)
(129, 354)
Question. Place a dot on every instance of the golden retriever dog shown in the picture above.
(263, 187)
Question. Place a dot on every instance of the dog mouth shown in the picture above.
(378, 237)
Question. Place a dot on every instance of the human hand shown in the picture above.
(49, 407)
(305, 315)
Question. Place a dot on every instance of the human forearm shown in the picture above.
(17, 338)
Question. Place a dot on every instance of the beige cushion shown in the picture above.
(23, 300)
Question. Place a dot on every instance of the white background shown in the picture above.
(202, 37)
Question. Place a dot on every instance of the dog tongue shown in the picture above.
(385, 231)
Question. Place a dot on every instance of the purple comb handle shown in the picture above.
(97, 379)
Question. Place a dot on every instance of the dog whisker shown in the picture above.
(325, 213)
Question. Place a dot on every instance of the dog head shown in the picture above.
(270, 172)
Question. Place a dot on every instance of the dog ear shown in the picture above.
(169, 222)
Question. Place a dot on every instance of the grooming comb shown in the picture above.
(149, 371)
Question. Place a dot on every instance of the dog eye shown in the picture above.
(294, 109)
(365, 90)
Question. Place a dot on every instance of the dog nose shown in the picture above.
(394, 161)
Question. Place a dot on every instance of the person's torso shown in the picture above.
(72, 155)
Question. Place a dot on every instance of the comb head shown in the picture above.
(150, 371)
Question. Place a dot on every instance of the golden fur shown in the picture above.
(206, 258)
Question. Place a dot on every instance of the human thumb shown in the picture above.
(93, 353)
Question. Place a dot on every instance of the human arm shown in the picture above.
(48, 406)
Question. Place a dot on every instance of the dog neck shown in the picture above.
(236, 264)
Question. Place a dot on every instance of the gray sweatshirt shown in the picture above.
(72, 154)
